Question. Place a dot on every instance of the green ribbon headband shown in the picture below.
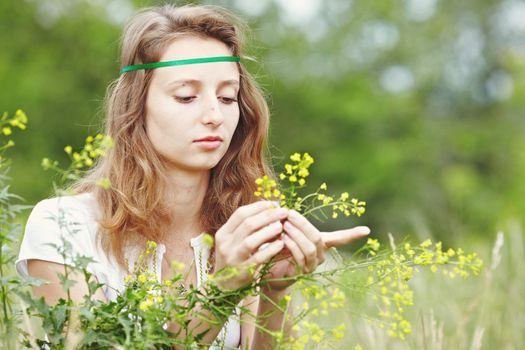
(180, 63)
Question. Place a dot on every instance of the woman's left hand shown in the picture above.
(307, 246)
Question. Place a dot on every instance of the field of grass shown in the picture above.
(484, 312)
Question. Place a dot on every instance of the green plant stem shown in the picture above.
(319, 207)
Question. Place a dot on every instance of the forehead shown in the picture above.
(194, 47)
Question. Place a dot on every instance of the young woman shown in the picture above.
(189, 139)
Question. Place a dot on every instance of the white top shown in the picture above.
(74, 219)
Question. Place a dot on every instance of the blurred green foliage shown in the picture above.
(415, 106)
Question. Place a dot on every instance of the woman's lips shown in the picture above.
(209, 143)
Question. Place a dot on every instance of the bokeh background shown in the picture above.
(416, 106)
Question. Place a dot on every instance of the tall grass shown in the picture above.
(487, 312)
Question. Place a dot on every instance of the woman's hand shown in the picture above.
(307, 247)
(238, 241)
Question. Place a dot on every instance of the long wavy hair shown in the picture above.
(133, 209)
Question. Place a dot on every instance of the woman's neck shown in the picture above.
(184, 196)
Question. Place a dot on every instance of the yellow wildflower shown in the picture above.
(303, 172)
(46, 163)
(425, 244)
(208, 240)
(146, 304)
(373, 244)
(142, 278)
(296, 157)
(339, 332)
(167, 283)
(327, 200)
(21, 116)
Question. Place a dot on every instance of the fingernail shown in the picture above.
(366, 230)
(287, 225)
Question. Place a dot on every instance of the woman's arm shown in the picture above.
(269, 318)
(53, 291)
(248, 319)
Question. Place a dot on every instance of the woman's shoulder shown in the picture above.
(55, 221)
(78, 206)
(73, 201)
(64, 214)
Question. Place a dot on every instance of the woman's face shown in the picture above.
(192, 110)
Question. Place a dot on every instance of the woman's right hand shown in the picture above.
(238, 241)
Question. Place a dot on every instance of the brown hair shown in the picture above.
(132, 210)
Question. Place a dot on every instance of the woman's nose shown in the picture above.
(212, 113)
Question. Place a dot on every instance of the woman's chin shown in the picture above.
(198, 164)
(198, 168)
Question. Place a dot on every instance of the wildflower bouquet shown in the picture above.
(154, 314)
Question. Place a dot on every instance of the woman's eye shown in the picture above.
(229, 100)
(184, 99)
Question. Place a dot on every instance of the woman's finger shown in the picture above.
(342, 237)
(308, 249)
(253, 242)
(255, 222)
(296, 252)
(310, 231)
(264, 255)
(244, 212)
